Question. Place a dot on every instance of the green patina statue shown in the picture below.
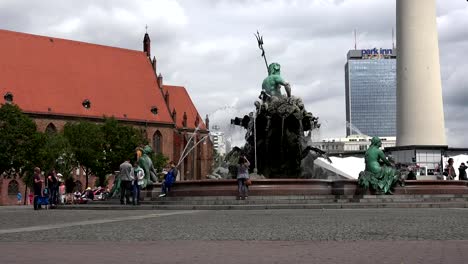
(147, 165)
(271, 86)
(379, 174)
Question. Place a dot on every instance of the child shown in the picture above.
(19, 197)
(169, 179)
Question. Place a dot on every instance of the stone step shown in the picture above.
(312, 197)
(310, 201)
(278, 197)
(248, 201)
(268, 200)
(265, 206)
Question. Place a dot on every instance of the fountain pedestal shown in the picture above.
(303, 187)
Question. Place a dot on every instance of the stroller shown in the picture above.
(44, 199)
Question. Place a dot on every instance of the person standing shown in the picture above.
(62, 193)
(242, 176)
(139, 176)
(19, 197)
(37, 187)
(31, 197)
(450, 170)
(126, 178)
(52, 184)
(462, 172)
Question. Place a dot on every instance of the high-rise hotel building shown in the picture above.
(370, 77)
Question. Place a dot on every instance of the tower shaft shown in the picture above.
(420, 115)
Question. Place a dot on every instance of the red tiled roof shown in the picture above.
(181, 101)
(54, 76)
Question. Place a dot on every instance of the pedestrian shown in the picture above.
(138, 181)
(242, 177)
(62, 193)
(462, 172)
(31, 198)
(52, 184)
(19, 197)
(126, 179)
(411, 175)
(89, 194)
(169, 179)
(37, 187)
(450, 170)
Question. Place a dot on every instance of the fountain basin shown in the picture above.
(284, 187)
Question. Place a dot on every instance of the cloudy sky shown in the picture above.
(208, 46)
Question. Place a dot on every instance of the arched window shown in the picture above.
(13, 188)
(51, 129)
(157, 142)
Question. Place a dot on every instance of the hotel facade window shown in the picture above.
(371, 94)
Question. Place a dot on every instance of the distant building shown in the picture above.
(370, 77)
(219, 142)
(353, 143)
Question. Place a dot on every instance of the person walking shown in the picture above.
(126, 178)
(139, 176)
(462, 172)
(450, 170)
(169, 179)
(242, 176)
(37, 187)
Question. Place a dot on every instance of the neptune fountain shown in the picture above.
(275, 138)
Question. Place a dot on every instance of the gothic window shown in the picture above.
(157, 142)
(13, 188)
(51, 129)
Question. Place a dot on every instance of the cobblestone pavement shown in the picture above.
(263, 236)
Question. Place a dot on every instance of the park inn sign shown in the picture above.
(376, 53)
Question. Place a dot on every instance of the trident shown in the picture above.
(260, 46)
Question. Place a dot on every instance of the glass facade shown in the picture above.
(371, 97)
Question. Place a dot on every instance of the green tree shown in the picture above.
(56, 152)
(18, 137)
(119, 144)
(159, 161)
(85, 139)
(19, 142)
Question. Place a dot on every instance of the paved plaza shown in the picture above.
(237, 236)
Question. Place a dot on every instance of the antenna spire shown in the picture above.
(393, 39)
(355, 40)
(146, 28)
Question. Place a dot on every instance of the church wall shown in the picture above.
(167, 139)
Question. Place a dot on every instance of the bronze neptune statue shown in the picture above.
(275, 141)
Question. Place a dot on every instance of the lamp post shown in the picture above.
(255, 140)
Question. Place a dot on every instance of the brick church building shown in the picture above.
(56, 81)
